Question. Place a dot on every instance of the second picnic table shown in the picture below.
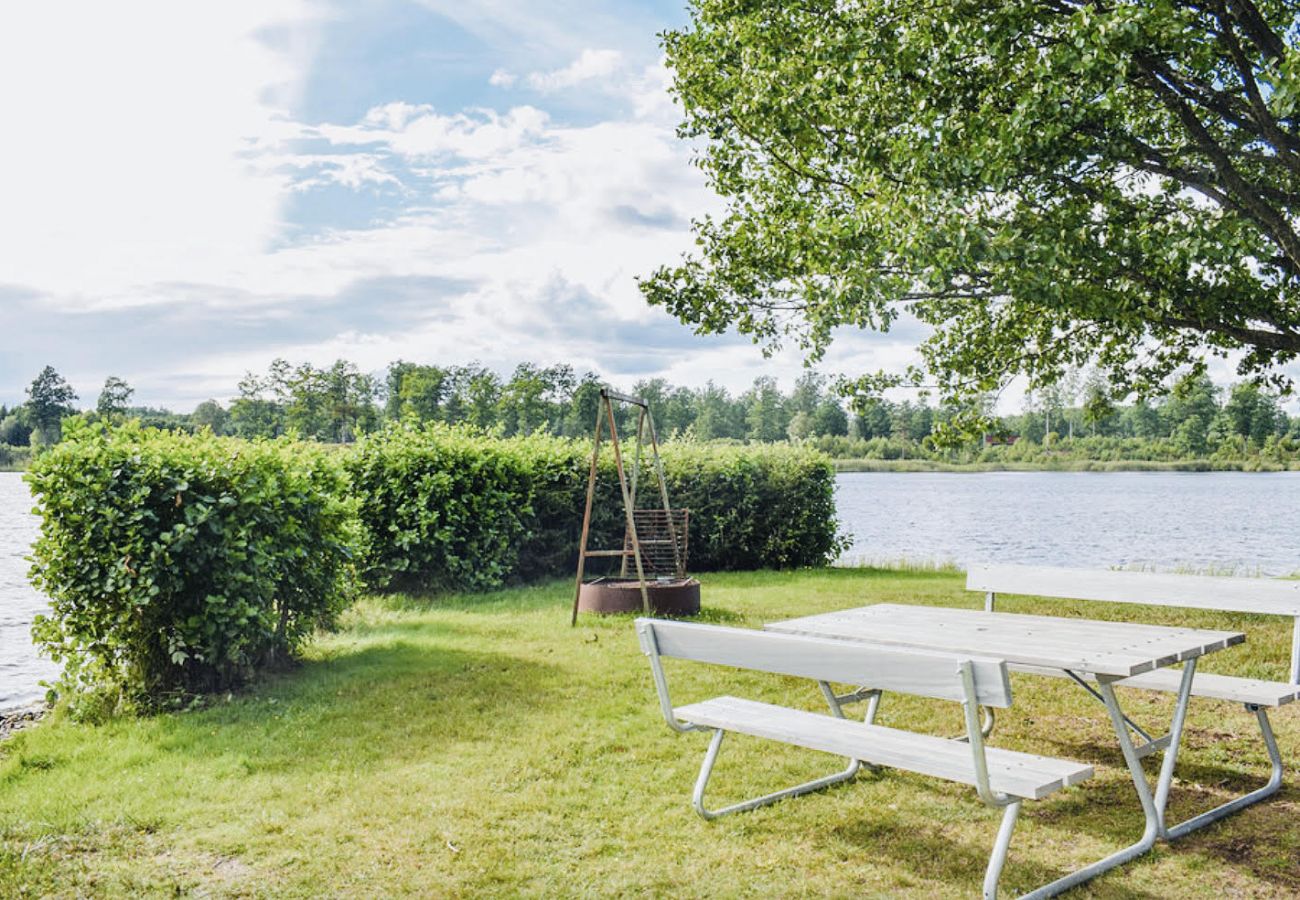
(1084, 649)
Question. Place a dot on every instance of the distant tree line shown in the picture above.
(338, 403)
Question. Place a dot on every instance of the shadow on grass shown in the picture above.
(935, 857)
(399, 701)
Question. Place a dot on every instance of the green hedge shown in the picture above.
(442, 507)
(176, 564)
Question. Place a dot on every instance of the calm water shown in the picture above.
(21, 669)
(1247, 523)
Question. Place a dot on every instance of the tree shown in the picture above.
(719, 416)
(1043, 182)
(210, 414)
(114, 398)
(252, 413)
(765, 411)
(49, 399)
(830, 419)
(14, 429)
(1253, 414)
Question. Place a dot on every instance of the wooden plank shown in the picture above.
(1210, 685)
(907, 671)
(1252, 595)
(1010, 772)
(1105, 648)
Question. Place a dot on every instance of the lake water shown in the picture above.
(21, 670)
(1243, 523)
(1217, 521)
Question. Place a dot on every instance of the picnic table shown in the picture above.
(1107, 652)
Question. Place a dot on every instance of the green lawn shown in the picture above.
(463, 746)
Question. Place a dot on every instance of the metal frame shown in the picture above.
(975, 733)
(631, 542)
(1154, 745)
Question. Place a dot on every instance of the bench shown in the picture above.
(1238, 595)
(1001, 778)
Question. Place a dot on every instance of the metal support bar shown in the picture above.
(1152, 807)
(1131, 724)
(627, 504)
(586, 517)
(711, 756)
(1274, 784)
(1295, 651)
(998, 858)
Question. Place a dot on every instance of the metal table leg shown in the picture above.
(1153, 808)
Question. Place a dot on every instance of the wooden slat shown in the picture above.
(1252, 595)
(1010, 772)
(1206, 684)
(908, 671)
(1104, 648)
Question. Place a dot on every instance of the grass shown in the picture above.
(476, 745)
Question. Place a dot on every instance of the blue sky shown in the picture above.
(194, 190)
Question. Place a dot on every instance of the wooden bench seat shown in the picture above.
(1010, 772)
(1233, 688)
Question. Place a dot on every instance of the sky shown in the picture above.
(192, 190)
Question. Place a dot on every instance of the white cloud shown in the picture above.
(128, 129)
(501, 78)
(590, 64)
(420, 132)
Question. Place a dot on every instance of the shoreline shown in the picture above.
(20, 718)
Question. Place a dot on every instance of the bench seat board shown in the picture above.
(1250, 595)
(1010, 772)
(1206, 684)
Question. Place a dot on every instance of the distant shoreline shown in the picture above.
(1075, 465)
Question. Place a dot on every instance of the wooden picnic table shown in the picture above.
(1105, 651)
(1112, 649)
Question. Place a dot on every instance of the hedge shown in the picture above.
(442, 507)
(177, 564)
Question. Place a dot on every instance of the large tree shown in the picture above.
(115, 397)
(1043, 182)
(49, 400)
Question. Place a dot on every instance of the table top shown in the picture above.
(1117, 649)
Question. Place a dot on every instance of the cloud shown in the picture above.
(197, 225)
(125, 160)
(590, 64)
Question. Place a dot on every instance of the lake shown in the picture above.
(1245, 523)
(21, 669)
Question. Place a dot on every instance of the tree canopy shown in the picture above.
(1044, 182)
(49, 399)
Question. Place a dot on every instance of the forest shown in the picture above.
(1073, 420)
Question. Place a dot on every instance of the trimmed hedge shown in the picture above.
(177, 564)
(441, 507)
(446, 508)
